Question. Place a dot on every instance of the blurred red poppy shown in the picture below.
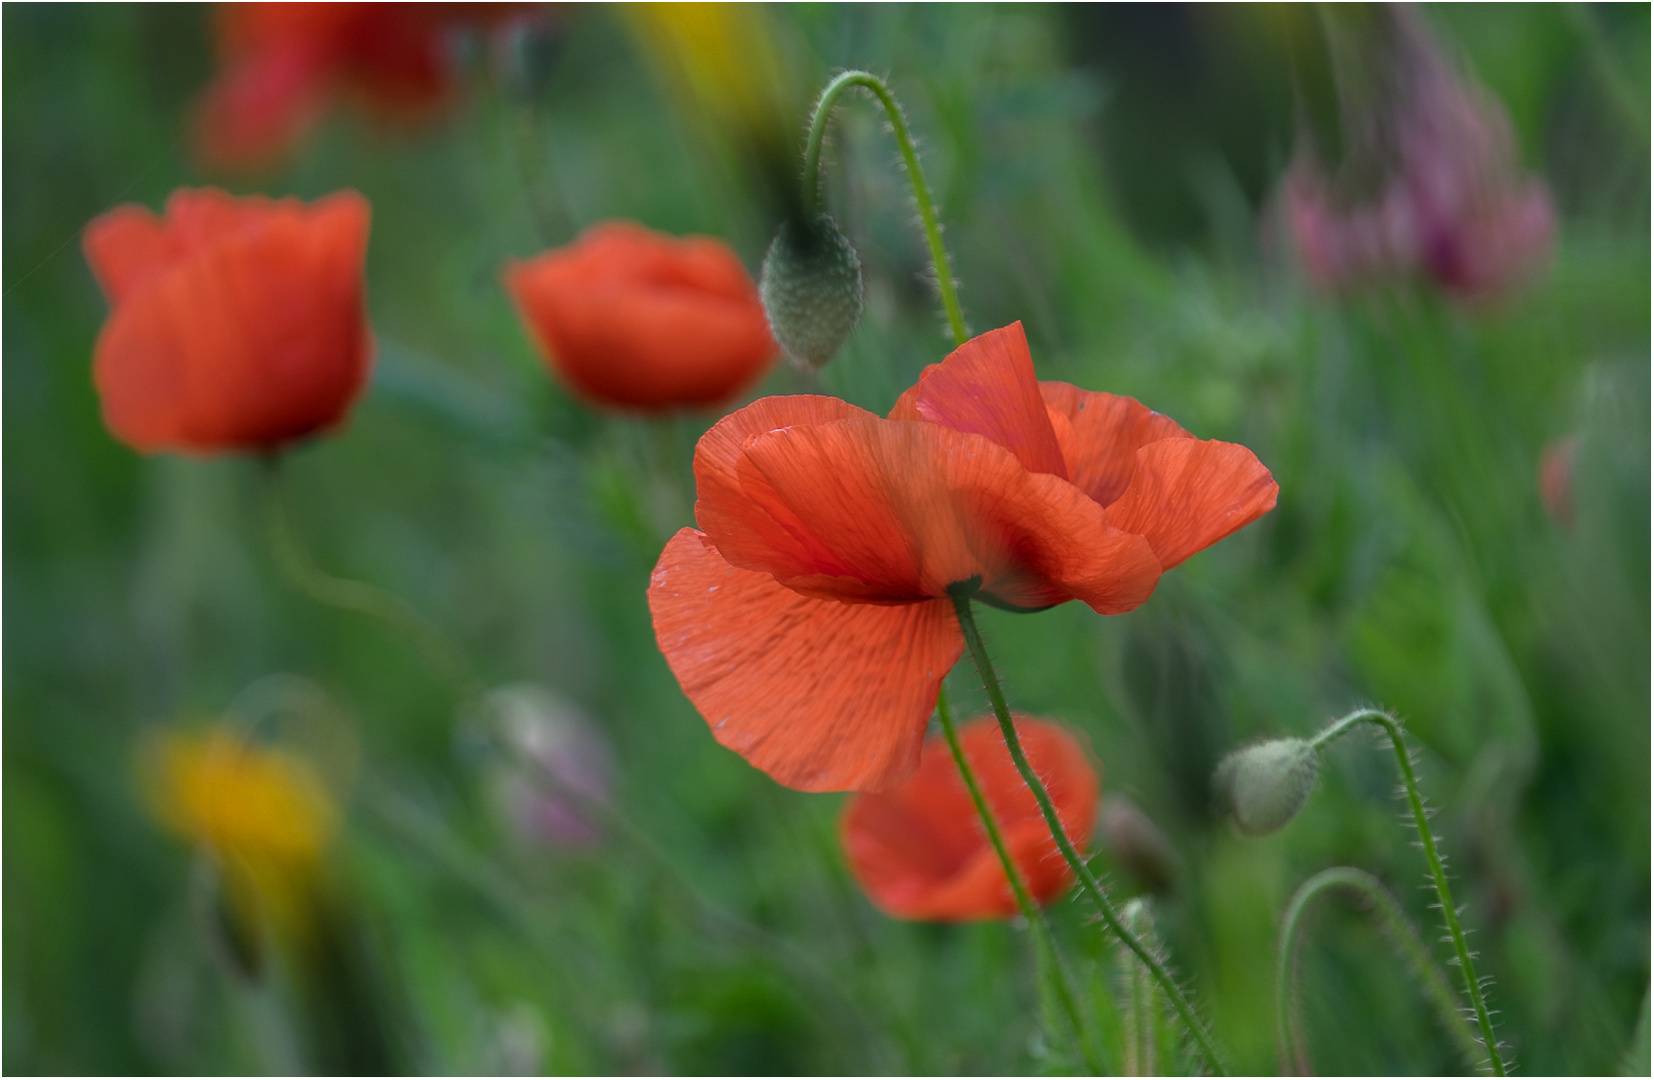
(810, 622)
(920, 852)
(237, 323)
(636, 319)
(281, 65)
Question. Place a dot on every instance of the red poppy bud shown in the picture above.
(236, 323)
(919, 850)
(636, 319)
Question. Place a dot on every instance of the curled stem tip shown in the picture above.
(1088, 881)
(1438, 871)
(915, 174)
(1289, 1041)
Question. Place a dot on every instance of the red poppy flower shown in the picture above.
(919, 850)
(637, 319)
(282, 65)
(809, 620)
(237, 324)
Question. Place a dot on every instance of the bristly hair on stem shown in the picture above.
(1463, 957)
(1048, 961)
(915, 173)
(1291, 1052)
(961, 597)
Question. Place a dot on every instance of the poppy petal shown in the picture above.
(987, 387)
(1187, 494)
(874, 509)
(637, 319)
(821, 695)
(919, 850)
(1102, 435)
(125, 247)
(245, 343)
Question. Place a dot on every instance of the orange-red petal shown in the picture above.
(865, 508)
(1102, 435)
(251, 331)
(634, 318)
(987, 387)
(1187, 494)
(819, 694)
(920, 852)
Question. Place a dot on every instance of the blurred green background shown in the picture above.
(1101, 172)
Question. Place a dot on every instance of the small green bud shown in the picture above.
(811, 287)
(1265, 785)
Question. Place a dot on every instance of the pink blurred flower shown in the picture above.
(556, 781)
(1430, 183)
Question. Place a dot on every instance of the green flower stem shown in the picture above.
(1288, 1029)
(1088, 880)
(916, 176)
(1045, 947)
(1438, 872)
(358, 596)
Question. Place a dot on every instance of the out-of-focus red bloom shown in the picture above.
(1556, 479)
(236, 323)
(1430, 186)
(636, 319)
(281, 65)
(809, 617)
(919, 851)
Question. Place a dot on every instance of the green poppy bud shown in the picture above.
(811, 287)
(1265, 785)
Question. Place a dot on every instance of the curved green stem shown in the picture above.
(916, 176)
(1088, 880)
(358, 596)
(1438, 870)
(1289, 1040)
(1045, 947)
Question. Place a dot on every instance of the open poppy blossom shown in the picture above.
(809, 618)
(281, 65)
(920, 852)
(236, 323)
(636, 319)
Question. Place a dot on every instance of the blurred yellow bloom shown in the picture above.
(724, 57)
(263, 814)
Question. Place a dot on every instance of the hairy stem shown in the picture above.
(358, 596)
(1289, 1040)
(915, 175)
(1088, 880)
(1438, 870)
(1045, 947)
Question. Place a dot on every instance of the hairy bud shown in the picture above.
(1263, 786)
(811, 287)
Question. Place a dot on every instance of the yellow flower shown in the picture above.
(263, 815)
(724, 56)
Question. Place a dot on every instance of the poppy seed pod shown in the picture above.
(1265, 785)
(811, 287)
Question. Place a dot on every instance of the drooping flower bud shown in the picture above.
(1136, 844)
(811, 287)
(1263, 786)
